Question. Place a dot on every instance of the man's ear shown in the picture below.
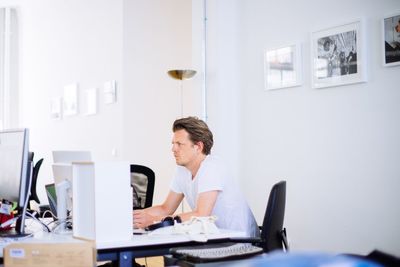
(200, 146)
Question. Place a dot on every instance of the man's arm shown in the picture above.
(204, 206)
(145, 217)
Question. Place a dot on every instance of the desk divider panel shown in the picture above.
(102, 201)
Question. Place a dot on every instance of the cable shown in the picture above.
(36, 219)
(51, 213)
(67, 222)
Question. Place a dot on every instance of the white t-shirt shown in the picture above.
(230, 207)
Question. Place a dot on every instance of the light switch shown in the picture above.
(114, 152)
(110, 92)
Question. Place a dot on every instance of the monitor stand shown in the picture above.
(14, 234)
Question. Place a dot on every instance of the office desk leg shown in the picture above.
(125, 259)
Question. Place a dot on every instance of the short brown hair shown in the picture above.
(198, 131)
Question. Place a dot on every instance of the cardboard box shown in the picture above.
(75, 254)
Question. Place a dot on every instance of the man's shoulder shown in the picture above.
(214, 161)
(216, 165)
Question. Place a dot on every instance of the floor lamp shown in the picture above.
(181, 75)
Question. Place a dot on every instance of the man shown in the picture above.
(200, 178)
(330, 54)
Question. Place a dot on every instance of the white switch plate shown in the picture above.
(110, 92)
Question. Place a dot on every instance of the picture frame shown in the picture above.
(283, 67)
(70, 100)
(338, 55)
(55, 108)
(391, 40)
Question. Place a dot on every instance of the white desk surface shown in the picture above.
(146, 239)
(135, 241)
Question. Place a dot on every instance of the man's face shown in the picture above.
(184, 150)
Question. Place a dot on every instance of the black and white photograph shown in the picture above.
(391, 33)
(338, 55)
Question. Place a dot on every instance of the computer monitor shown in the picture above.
(14, 165)
(15, 170)
(52, 197)
(62, 173)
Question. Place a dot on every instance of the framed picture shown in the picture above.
(70, 100)
(391, 40)
(338, 55)
(55, 108)
(282, 67)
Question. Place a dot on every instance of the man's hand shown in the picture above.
(142, 219)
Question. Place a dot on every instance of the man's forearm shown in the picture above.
(158, 212)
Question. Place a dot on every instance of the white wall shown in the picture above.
(157, 38)
(338, 148)
(222, 75)
(91, 42)
(63, 42)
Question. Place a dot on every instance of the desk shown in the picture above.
(138, 246)
(152, 245)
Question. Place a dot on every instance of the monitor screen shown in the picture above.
(14, 171)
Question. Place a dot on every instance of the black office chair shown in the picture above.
(35, 173)
(273, 235)
(142, 183)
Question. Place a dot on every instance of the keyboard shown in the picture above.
(216, 252)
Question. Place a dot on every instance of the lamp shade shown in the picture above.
(181, 74)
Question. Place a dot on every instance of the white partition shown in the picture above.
(102, 201)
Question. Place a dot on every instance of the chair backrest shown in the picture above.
(35, 173)
(272, 228)
(142, 183)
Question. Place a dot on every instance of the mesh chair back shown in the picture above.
(142, 183)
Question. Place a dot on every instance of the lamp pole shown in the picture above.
(181, 75)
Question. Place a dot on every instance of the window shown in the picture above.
(8, 68)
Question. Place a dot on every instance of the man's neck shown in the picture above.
(194, 166)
